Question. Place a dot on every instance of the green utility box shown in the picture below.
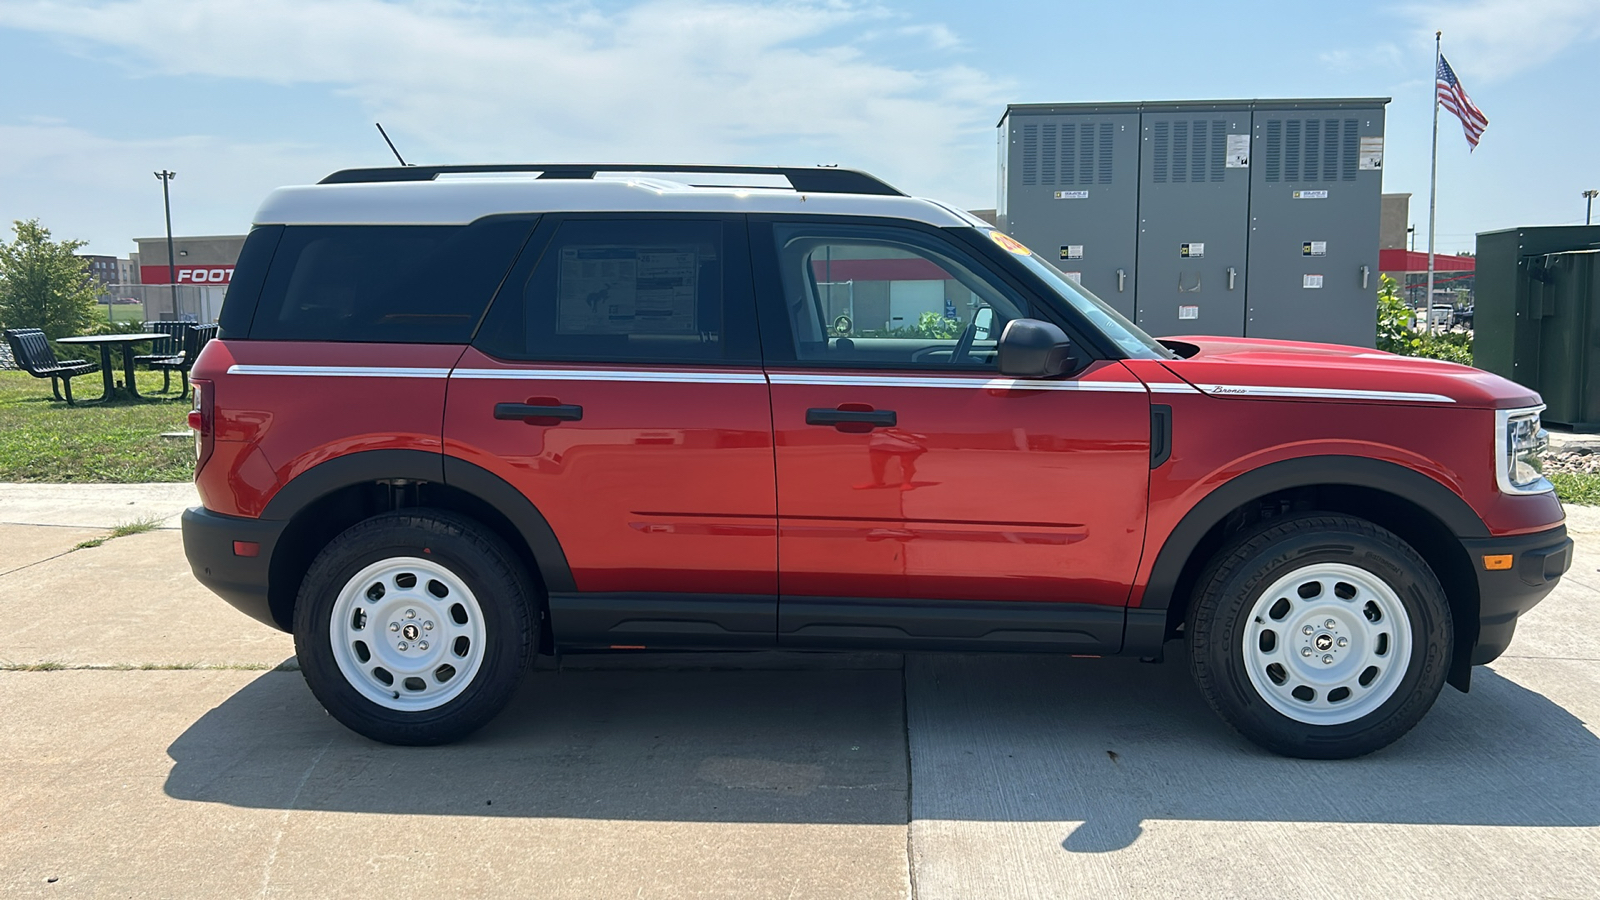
(1537, 316)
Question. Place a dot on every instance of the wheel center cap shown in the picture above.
(1323, 641)
(411, 632)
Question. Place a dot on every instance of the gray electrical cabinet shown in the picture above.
(1254, 218)
(1081, 171)
(1193, 222)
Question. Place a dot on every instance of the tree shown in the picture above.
(44, 285)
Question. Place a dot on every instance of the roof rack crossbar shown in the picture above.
(818, 180)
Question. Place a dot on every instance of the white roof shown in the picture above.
(458, 200)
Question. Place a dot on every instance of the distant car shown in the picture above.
(1442, 314)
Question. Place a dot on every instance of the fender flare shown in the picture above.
(1357, 471)
(368, 466)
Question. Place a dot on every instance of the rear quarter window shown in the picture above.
(415, 284)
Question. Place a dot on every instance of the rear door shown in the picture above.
(922, 499)
(616, 384)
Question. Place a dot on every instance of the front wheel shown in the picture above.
(1320, 636)
(414, 627)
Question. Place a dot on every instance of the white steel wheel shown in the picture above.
(1327, 644)
(407, 634)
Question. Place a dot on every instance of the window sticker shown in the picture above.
(1010, 243)
(627, 290)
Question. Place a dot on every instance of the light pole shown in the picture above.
(172, 265)
(1588, 206)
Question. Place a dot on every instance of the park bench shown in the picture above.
(33, 355)
(195, 338)
(165, 350)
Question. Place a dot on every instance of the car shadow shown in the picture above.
(1102, 745)
(1108, 745)
(685, 743)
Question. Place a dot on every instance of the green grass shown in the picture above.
(1580, 488)
(137, 526)
(125, 312)
(43, 439)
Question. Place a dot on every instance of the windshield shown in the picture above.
(1128, 337)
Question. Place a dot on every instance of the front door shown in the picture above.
(616, 384)
(922, 499)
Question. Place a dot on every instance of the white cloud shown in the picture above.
(664, 80)
(1490, 40)
(89, 187)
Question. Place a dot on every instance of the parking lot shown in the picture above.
(158, 744)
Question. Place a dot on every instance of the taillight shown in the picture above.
(200, 421)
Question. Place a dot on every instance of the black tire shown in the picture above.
(1220, 619)
(497, 583)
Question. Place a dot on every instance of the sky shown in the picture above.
(241, 96)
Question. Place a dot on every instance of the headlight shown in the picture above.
(1519, 451)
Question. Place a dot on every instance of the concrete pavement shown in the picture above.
(729, 775)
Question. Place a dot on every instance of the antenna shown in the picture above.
(390, 143)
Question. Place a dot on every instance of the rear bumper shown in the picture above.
(208, 542)
(1538, 561)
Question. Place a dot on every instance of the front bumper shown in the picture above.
(1538, 561)
(208, 542)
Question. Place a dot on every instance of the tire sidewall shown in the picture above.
(440, 539)
(1235, 597)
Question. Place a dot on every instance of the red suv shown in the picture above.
(460, 415)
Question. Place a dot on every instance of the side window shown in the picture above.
(629, 290)
(879, 294)
(424, 284)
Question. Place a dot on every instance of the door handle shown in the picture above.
(1122, 279)
(852, 419)
(1365, 274)
(1232, 273)
(539, 415)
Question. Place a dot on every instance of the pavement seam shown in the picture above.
(38, 561)
(283, 824)
(51, 666)
(1561, 658)
(905, 725)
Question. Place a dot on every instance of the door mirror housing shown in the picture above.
(1030, 348)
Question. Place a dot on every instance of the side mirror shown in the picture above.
(1030, 348)
(982, 324)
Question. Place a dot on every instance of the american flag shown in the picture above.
(1454, 98)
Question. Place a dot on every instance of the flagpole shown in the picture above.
(1433, 183)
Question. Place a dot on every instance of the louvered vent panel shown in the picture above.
(1352, 149)
(1163, 152)
(1180, 152)
(1330, 149)
(1200, 150)
(1047, 154)
(1085, 153)
(1105, 153)
(1274, 150)
(1219, 149)
(1291, 150)
(1312, 166)
(1030, 154)
(1069, 153)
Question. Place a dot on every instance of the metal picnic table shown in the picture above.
(105, 342)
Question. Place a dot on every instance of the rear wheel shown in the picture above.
(1320, 636)
(414, 627)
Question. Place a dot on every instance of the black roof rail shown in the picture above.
(817, 180)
